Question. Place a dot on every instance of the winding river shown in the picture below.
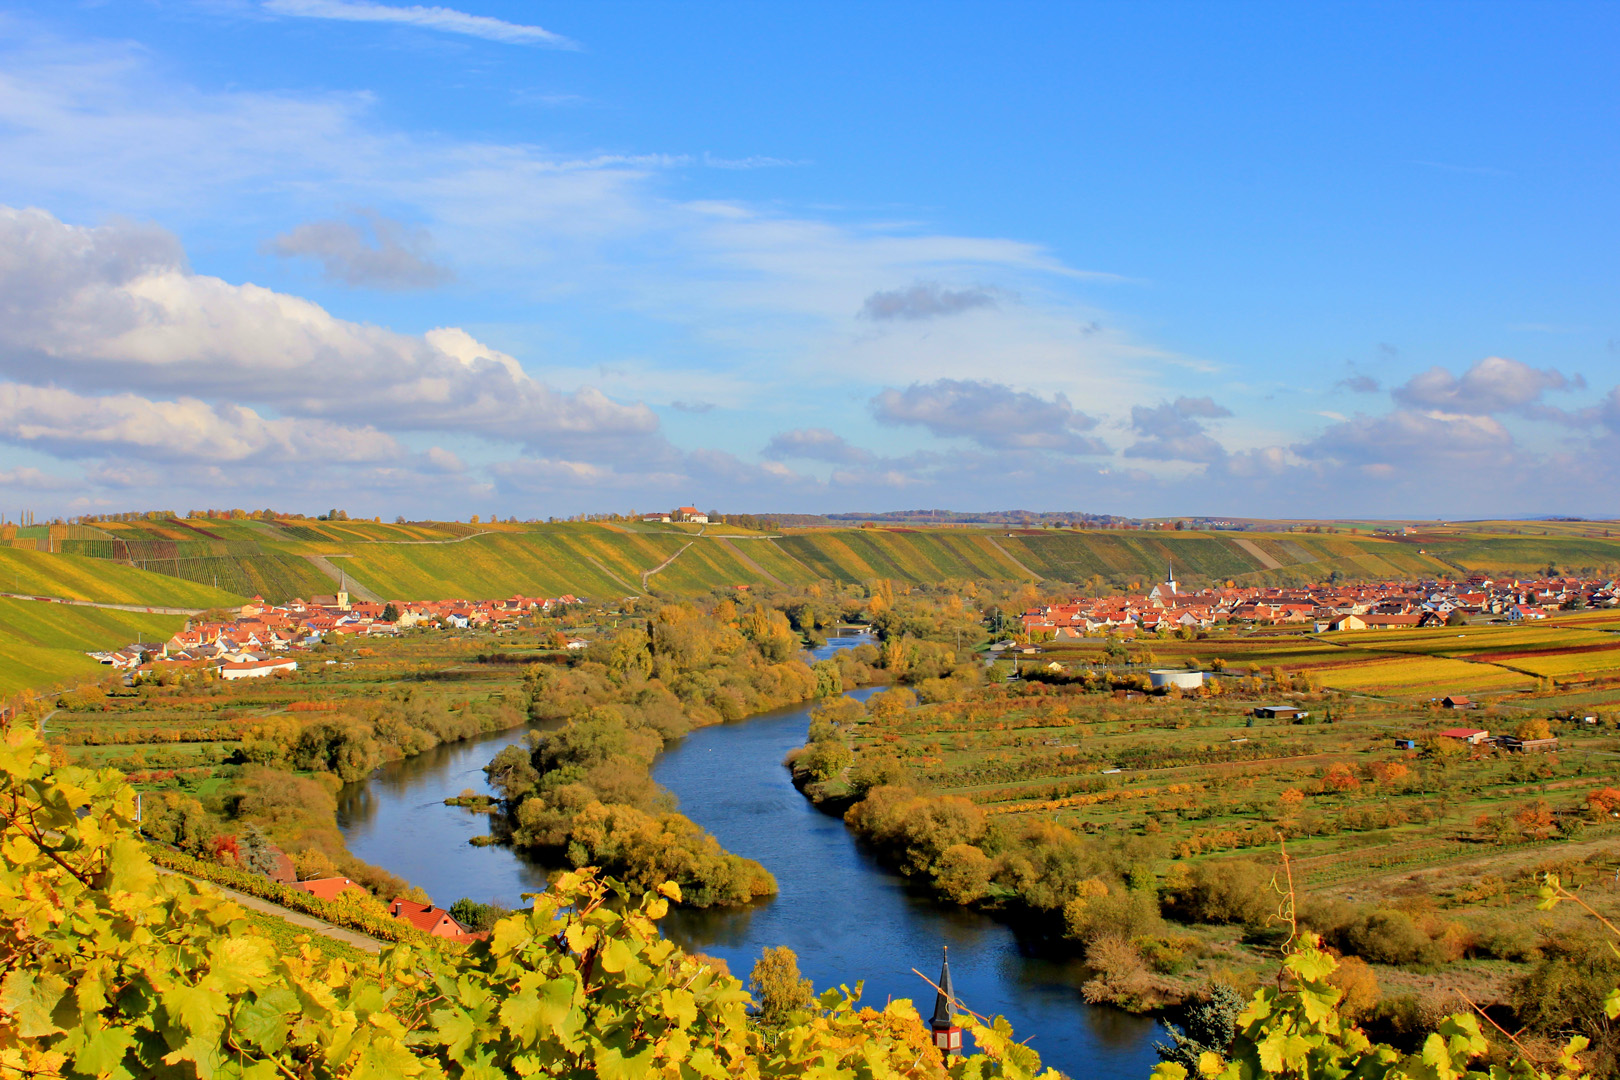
(845, 915)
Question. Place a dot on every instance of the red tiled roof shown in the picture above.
(328, 888)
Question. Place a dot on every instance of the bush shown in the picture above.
(1387, 936)
(1118, 913)
(1228, 891)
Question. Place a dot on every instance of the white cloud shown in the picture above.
(1172, 431)
(1495, 384)
(444, 19)
(76, 425)
(991, 414)
(815, 444)
(113, 305)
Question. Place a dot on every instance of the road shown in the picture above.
(297, 918)
(108, 607)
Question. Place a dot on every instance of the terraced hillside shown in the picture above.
(602, 560)
(44, 645)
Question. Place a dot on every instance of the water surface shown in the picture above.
(845, 915)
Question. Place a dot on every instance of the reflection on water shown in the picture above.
(845, 916)
(397, 820)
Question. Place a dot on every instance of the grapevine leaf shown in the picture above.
(31, 999)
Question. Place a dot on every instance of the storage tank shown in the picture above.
(1187, 680)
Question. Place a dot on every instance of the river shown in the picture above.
(844, 915)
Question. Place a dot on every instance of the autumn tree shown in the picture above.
(777, 986)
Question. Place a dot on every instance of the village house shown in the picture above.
(255, 669)
(329, 888)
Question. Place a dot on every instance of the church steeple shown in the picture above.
(945, 999)
(947, 1036)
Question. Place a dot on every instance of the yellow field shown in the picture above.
(1432, 676)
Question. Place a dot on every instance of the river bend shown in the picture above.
(844, 915)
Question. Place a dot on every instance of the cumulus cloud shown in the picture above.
(76, 425)
(1172, 432)
(1413, 443)
(376, 253)
(815, 444)
(925, 300)
(1495, 384)
(443, 19)
(991, 414)
(115, 305)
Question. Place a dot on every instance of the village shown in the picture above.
(264, 639)
(1324, 608)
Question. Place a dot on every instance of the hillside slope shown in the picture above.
(430, 560)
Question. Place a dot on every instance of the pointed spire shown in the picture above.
(945, 1000)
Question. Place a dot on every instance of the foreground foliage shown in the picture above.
(108, 969)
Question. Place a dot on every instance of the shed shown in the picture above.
(1528, 746)
(1278, 712)
(1472, 736)
(1406, 744)
(1457, 701)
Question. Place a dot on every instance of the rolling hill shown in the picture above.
(430, 560)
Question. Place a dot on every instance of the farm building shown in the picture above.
(1406, 744)
(1527, 746)
(1457, 701)
(1279, 712)
(1472, 736)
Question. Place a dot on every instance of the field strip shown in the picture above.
(789, 556)
(1426, 656)
(452, 540)
(297, 918)
(1254, 549)
(645, 574)
(746, 561)
(110, 607)
(1008, 556)
(611, 576)
(323, 564)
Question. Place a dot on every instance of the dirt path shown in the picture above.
(645, 574)
(109, 607)
(324, 565)
(746, 561)
(297, 918)
(1254, 549)
(1005, 554)
(630, 590)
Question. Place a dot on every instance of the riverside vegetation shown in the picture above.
(1139, 829)
(109, 970)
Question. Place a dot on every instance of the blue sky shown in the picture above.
(537, 259)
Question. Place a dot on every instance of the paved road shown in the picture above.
(297, 918)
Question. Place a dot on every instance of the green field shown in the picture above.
(44, 644)
(76, 577)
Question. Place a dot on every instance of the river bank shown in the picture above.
(846, 916)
